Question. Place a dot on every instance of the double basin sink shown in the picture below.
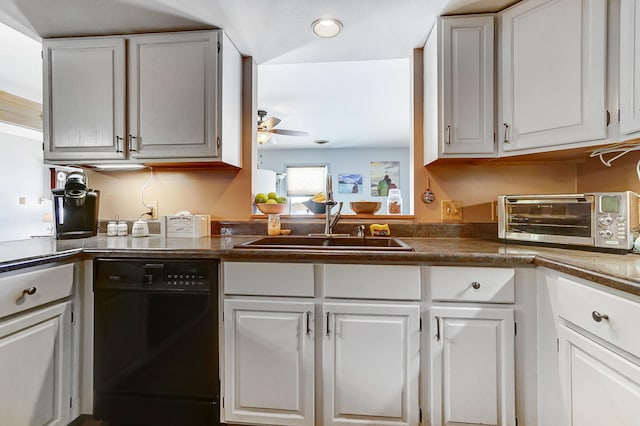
(327, 243)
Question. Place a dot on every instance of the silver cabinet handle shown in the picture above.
(448, 135)
(475, 285)
(119, 141)
(328, 330)
(437, 335)
(29, 291)
(597, 316)
(132, 148)
(506, 136)
(308, 313)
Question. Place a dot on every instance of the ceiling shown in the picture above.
(351, 96)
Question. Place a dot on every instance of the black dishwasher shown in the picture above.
(156, 342)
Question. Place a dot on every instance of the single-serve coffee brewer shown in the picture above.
(75, 208)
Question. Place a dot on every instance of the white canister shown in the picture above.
(140, 228)
(394, 202)
(122, 228)
(112, 228)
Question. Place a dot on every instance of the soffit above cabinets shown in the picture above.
(273, 31)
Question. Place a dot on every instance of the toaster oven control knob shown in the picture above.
(605, 220)
(605, 233)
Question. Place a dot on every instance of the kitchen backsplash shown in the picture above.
(226, 194)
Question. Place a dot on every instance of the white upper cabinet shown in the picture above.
(172, 92)
(552, 75)
(459, 89)
(183, 99)
(84, 99)
(629, 67)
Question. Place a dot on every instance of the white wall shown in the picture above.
(344, 161)
(23, 179)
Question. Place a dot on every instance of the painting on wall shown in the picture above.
(384, 176)
(350, 183)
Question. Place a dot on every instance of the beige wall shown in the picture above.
(226, 194)
(593, 176)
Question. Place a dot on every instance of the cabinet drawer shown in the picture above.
(47, 285)
(471, 284)
(268, 279)
(372, 282)
(580, 304)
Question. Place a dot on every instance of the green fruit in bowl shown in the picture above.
(272, 196)
(261, 198)
(282, 200)
(271, 201)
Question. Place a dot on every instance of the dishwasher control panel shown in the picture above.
(154, 274)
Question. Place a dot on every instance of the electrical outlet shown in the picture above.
(153, 206)
(451, 210)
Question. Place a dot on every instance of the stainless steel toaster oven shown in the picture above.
(598, 219)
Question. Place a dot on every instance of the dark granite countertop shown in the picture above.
(620, 271)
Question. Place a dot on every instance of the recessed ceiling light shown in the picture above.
(326, 27)
(321, 141)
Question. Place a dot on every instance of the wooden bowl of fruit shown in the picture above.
(271, 204)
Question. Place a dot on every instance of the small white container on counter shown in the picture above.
(122, 228)
(112, 228)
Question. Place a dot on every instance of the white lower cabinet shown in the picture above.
(344, 349)
(472, 366)
(471, 370)
(269, 362)
(370, 364)
(35, 346)
(597, 352)
(36, 368)
(600, 386)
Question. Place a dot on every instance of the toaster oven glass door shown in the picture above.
(568, 218)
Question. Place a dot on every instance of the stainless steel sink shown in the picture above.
(327, 243)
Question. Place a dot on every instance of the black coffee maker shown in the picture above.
(75, 208)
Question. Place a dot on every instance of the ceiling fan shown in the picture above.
(266, 129)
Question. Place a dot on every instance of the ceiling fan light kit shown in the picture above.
(263, 137)
(326, 27)
(266, 129)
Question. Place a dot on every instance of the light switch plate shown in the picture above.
(451, 210)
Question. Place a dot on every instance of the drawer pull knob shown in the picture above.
(475, 285)
(29, 291)
(597, 316)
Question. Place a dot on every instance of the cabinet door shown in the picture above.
(84, 99)
(629, 66)
(35, 350)
(553, 62)
(467, 85)
(173, 95)
(370, 364)
(268, 362)
(600, 387)
(472, 366)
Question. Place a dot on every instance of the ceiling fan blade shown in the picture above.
(289, 132)
(270, 123)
